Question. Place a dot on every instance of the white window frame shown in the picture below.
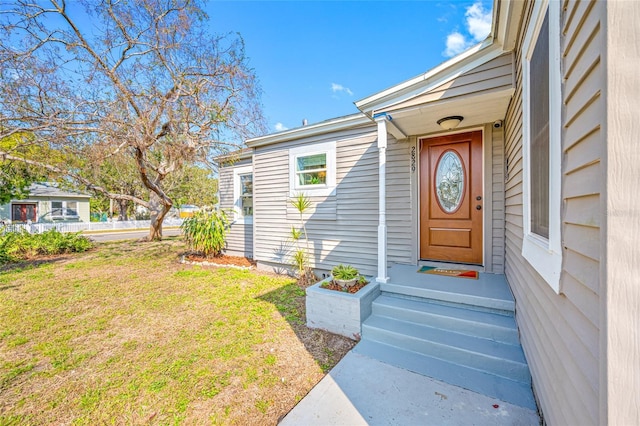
(545, 255)
(238, 215)
(319, 190)
(65, 209)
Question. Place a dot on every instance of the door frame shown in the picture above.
(24, 202)
(487, 186)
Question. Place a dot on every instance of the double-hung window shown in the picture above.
(312, 169)
(243, 194)
(542, 150)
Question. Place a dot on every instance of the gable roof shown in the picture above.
(50, 189)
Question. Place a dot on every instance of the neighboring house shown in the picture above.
(537, 181)
(47, 203)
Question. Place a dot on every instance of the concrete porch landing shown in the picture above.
(363, 391)
(489, 290)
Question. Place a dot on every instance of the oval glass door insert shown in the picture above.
(449, 181)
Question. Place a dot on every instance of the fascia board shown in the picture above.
(241, 154)
(341, 123)
(437, 76)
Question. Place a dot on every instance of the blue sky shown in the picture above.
(315, 58)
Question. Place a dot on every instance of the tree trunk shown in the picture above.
(157, 211)
(123, 205)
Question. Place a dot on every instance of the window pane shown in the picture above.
(539, 146)
(72, 208)
(56, 208)
(247, 206)
(312, 178)
(311, 162)
(246, 183)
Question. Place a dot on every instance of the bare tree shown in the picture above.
(144, 78)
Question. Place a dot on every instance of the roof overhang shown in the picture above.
(333, 125)
(444, 72)
(240, 154)
(477, 110)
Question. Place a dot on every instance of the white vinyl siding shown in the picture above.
(240, 234)
(560, 333)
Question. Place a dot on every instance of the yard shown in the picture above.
(125, 334)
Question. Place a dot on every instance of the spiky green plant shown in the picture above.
(301, 256)
(206, 232)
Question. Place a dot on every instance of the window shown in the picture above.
(312, 169)
(246, 194)
(542, 153)
(64, 210)
(243, 194)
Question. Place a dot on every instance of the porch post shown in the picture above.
(382, 202)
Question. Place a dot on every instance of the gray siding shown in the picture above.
(341, 228)
(497, 201)
(560, 333)
(401, 206)
(495, 75)
(240, 235)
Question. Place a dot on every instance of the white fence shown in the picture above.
(36, 228)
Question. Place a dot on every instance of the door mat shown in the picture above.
(460, 273)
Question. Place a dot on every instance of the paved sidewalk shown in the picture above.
(363, 391)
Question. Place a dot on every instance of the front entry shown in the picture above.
(451, 198)
(24, 212)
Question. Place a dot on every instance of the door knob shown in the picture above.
(478, 207)
(479, 197)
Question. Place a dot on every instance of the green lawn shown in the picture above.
(126, 334)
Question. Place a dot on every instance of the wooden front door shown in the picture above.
(451, 198)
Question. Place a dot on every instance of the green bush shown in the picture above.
(23, 245)
(206, 232)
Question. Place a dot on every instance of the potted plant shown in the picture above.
(345, 275)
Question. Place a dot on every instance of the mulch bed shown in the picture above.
(332, 285)
(222, 259)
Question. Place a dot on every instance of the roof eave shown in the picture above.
(341, 123)
(471, 58)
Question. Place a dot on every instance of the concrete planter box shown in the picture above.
(339, 312)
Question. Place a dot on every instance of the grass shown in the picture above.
(127, 335)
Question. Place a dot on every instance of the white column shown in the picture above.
(382, 202)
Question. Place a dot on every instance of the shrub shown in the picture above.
(206, 232)
(23, 245)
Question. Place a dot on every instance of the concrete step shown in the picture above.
(501, 359)
(511, 391)
(500, 327)
(489, 292)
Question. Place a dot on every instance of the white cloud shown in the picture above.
(478, 23)
(456, 43)
(280, 127)
(335, 88)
